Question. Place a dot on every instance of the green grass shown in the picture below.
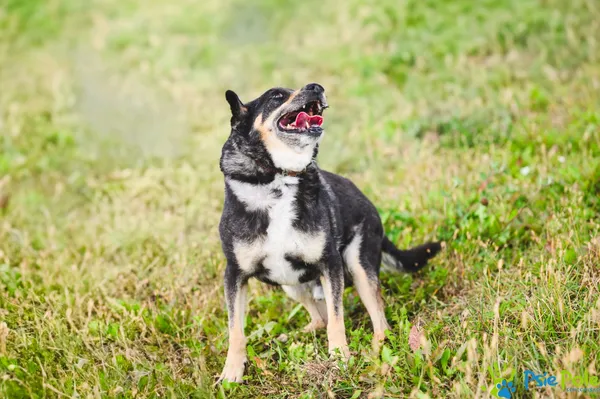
(477, 123)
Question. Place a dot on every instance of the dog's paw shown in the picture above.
(314, 325)
(378, 338)
(340, 351)
(233, 370)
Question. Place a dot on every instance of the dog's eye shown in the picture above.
(278, 96)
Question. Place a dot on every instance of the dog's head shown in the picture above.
(288, 124)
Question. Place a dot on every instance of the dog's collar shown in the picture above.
(292, 173)
(279, 171)
(268, 174)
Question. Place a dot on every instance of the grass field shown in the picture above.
(477, 123)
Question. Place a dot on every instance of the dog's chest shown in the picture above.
(284, 254)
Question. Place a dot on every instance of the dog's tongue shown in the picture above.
(316, 120)
(302, 118)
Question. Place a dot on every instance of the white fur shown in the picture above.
(390, 263)
(281, 239)
(259, 196)
(247, 254)
(352, 252)
(288, 158)
(317, 292)
(312, 289)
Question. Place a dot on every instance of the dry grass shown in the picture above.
(476, 124)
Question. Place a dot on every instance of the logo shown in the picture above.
(505, 389)
(540, 380)
(568, 382)
(583, 383)
(504, 383)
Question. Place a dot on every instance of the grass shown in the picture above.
(477, 123)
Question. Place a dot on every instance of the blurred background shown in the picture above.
(476, 123)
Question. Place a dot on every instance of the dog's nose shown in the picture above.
(314, 87)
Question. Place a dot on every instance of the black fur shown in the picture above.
(414, 259)
(330, 219)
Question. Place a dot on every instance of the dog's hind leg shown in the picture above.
(316, 309)
(236, 289)
(362, 263)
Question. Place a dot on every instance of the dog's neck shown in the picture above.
(256, 165)
(270, 168)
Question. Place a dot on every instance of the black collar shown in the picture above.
(267, 174)
(278, 171)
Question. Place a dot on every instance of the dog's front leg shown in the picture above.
(333, 287)
(236, 288)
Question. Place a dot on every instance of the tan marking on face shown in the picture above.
(264, 127)
(284, 156)
(270, 140)
(291, 98)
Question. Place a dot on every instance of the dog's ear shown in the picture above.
(238, 110)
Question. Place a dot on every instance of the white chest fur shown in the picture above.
(278, 200)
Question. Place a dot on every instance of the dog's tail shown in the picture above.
(410, 260)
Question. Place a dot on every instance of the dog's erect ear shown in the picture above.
(238, 110)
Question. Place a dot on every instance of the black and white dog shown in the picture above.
(286, 222)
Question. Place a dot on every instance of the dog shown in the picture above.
(286, 222)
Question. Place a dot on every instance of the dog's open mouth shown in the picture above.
(307, 117)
